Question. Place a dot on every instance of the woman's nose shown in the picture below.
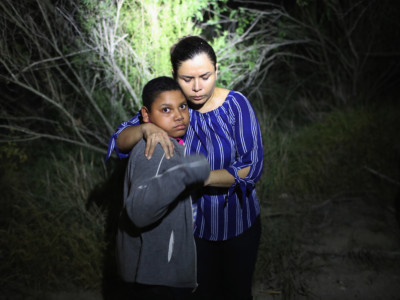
(196, 85)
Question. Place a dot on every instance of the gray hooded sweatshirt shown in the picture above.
(155, 243)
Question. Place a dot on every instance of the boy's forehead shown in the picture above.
(170, 97)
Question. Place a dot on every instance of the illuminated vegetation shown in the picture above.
(320, 76)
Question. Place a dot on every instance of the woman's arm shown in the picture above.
(129, 133)
(153, 135)
(247, 167)
(222, 178)
(129, 137)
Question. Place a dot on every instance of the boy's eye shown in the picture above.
(183, 106)
(165, 109)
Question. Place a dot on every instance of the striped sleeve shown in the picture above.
(112, 144)
(248, 141)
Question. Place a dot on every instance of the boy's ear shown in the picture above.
(145, 114)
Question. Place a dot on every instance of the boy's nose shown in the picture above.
(179, 116)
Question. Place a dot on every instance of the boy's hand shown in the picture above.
(154, 135)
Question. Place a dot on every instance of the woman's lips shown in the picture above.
(197, 98)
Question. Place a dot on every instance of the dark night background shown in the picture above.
(323, 77)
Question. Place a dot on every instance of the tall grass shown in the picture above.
(309, 164)
(49, 237)
(59, 210)
(56, 208)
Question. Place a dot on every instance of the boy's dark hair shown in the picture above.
(187, 48)
(157, 86)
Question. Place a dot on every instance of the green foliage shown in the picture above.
(281, 263)
(142, 34)
(45, 249)
(76, 81)
(237, 56)
(12, 156)
(302, 3)
(352, 152)
(51, 240)
(159, 26)
(332, 156)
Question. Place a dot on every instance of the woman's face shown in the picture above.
(197, 78)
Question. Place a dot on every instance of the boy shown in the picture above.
(155, 244)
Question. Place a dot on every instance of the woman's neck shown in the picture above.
(216, 100)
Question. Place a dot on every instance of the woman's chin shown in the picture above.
(196, 104)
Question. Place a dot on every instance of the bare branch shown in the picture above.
(376, 173)
(31, 135)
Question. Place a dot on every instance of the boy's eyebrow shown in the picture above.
(169, 104)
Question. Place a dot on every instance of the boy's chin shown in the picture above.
(177, 135)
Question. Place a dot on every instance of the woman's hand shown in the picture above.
(154, 135)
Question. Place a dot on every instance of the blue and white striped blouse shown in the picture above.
(230, 138)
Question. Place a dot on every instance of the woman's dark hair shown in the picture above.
(187, 48)
(155, 87)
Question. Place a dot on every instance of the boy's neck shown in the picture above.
(179, 140)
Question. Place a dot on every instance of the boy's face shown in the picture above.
(169, 111)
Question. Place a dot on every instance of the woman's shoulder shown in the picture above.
(219, 97)
(238, 104)
(226, 96)
(236, 95)
(222, 92)
(236, 99)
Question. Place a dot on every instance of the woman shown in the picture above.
(224, 128)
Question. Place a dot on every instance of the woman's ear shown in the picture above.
(145, 114)
(216, 70)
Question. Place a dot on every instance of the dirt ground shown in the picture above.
(354, 247)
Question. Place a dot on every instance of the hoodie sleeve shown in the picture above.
(151, 193)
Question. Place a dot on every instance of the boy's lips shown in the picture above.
(180, 126)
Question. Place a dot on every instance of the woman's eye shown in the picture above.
(206, 78)
(186, 79)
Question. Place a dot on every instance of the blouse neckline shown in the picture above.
(216, 109)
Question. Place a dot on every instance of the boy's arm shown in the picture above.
(149, 197)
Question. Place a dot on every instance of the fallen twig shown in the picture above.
(382, 176)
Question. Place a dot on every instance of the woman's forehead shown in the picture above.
(200, 63)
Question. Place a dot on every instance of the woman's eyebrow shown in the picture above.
(205, 74)
(201, 75)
